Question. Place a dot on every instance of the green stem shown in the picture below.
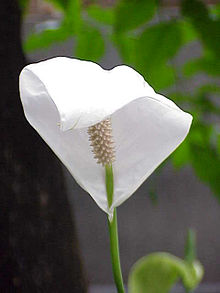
(116, 266)
(113, 232)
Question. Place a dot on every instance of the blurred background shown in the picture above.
(175, 45)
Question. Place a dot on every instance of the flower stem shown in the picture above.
(116, 266)
(113, 232)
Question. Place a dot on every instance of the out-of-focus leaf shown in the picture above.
(73, 19)
(126, 45)
(188, 33)
(130, 14)
(149, 53)
(200, 102)
(159, 77)
(180, 97)
(206, 162)
(210, 65)
(181, 156)
(200, 134)
(158, 272)
(205, 105)
(218, 143)
(208, 89)
(200, 152)
(71, 24)
(190, 247)
(45, 39)
(215, 11)
(90, 44)
(205, 158)
(208, 29)
(103, 15)
(158, 43)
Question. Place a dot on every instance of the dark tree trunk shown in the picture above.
(38, 247)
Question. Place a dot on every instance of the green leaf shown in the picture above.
(188, 33)
(210, 65)
(90, 44)
(159, 43)
(204, 156)
(208, 29)
(181, 156)
(206, 163)
(156, 45)
(150, 52)
(72, 17)
(130, 14)
(218, 144)
(159, 77)
(208, 88)
(215, 11)
(158, 272)
(45, 39)
(204, 103)
(103, 15)
(71, 24)
(178, 97)
(126, 45)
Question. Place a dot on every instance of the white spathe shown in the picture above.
(62, 97)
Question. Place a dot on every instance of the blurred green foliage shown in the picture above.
(158, 272)
(148, 42)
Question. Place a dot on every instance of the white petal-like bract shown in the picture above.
(62, 97)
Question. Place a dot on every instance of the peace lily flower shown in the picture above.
(88, 115)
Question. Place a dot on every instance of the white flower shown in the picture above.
(62, 97)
